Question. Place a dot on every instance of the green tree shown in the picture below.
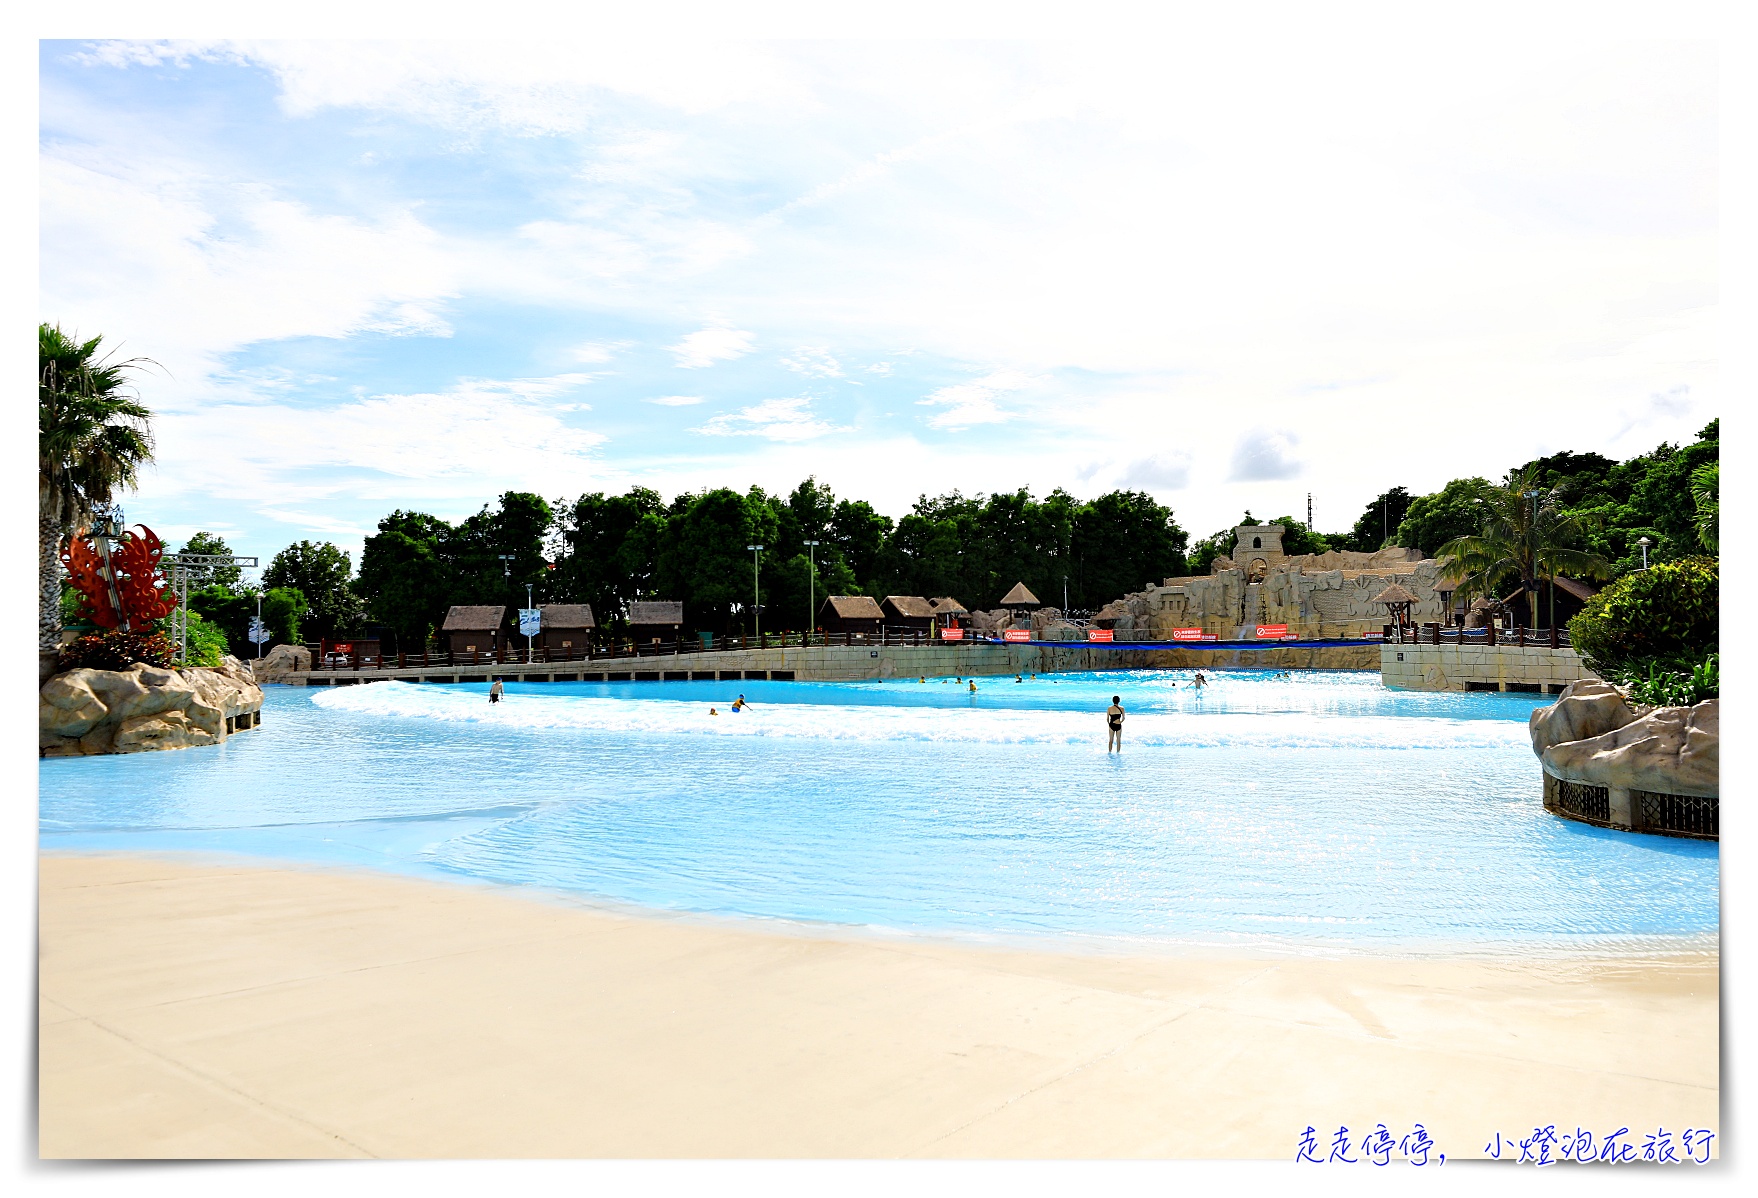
(1524, 535)
(608, 544)
(519, 526)
(321, 573)
(93, 436)
(1381, 519)
(1432, 520)
(1298, 539)
(703, 561)
(1122, 540)
(404, 578)
(282, 608)
(201, 577)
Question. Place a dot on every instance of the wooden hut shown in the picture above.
(851, 613)
(479, 630)
(1019, 599)
(947, 611)
(565, 628)
(911, 613)
(1397, 601)
(653, 620)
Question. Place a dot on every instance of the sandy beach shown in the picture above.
(215, 1008)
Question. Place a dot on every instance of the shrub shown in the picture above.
(1670, 613)
(1665, 684)
(117, 650)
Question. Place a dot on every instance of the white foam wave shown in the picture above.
(401, 700)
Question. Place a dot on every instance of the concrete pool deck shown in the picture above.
(196, 1007)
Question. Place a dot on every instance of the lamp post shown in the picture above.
(1533, 496)
(507, 573)
(756, 593)
(811, 587)
(1645, 543)
(529, 604)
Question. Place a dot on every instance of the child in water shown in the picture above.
(973, 686)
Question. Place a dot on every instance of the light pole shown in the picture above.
(811, 587)
(1645, 543)
(756, 594)
(258, 621)
(529, 604)
(507, 573)
(1533, 542)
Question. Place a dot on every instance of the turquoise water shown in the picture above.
(1322, 811)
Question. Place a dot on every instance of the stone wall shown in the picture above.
(1480, 667)
(851, 663)
(1319, 596)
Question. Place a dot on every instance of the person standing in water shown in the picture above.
(1114, 722)
(495, 691)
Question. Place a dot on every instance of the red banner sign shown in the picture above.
(1187, 634)
(1017, 634)
(1270, 631)
(952, 634)
(1099, 634)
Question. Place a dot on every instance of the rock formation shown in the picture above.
(1583, 710)
(144, 707)
(1667, 750)
(282, 659)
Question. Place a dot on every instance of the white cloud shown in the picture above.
(716, 343)
(1263, 456)
(815, 362)
(591, 353)
(972, 403)
(879, 368)
(1158, 472)
(775, 419)
(674, 401)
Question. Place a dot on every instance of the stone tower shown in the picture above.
(1257, 547)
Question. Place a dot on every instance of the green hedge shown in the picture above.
(1668, 615)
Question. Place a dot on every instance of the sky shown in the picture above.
(382, 275)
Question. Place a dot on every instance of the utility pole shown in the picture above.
(1065, 596)
(756, 593)
(529, 604)
(1309, 510)
(811, 588)
(507, 573)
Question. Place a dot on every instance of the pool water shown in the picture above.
(1321, 811)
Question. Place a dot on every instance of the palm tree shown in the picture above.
(92, 439)
(1706, 500)
(1526, 536)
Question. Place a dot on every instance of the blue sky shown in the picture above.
(383, 275)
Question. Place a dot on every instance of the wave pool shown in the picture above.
(1320, 811)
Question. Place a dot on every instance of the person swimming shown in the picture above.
(1200, 681)
(711, 711)
(738, 704)
(1017, 678)
(973, 686)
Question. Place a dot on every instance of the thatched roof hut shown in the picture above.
(911, 612)
(1019, 599)
(1394, 594)
(472, 628)
(565, 625)
(850, 613)
(655, 619)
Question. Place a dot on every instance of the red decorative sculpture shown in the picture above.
(128, 590)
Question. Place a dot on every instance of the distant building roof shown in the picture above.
(656, 611)
(1019, 597)
(910, 607)
(948, 606)
(854, 607)
(568, 615)
(474, 619)
(1394, 594)
(1580, 590)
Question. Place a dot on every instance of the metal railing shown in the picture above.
(1518, 637)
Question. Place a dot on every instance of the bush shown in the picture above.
(1666, 616)
(117, 650)
(1666, 684)
(207, 643)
